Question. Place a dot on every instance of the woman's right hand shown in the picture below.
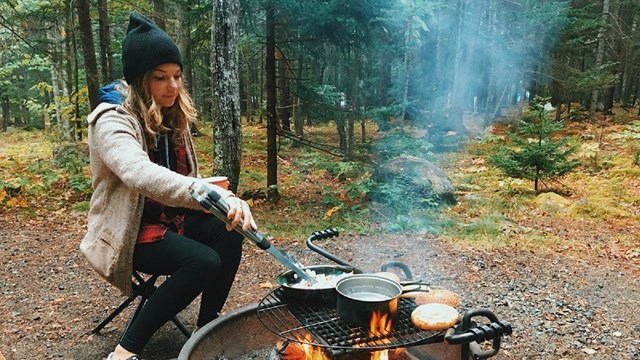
(239, 212)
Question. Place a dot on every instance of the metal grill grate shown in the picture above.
(296, 321)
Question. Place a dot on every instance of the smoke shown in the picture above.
(481, 56)
(470, 61)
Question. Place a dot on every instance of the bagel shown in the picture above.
(436, 296)
(434, 316)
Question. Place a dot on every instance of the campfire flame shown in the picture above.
(379, 325)
(303, 350)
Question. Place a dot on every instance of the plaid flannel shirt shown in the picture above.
(156, 217)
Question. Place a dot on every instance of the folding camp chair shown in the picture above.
(144, 289)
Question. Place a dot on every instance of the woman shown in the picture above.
(142, 215)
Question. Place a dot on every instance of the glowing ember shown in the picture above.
(303, 350)
(380, 355)
(379, 325)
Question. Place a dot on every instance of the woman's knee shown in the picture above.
(207, 262)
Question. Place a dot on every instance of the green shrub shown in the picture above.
(534, 153)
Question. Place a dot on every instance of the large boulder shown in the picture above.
(423, 177)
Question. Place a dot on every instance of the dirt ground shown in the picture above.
(560, 307)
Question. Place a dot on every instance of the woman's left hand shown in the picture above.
(239, 213)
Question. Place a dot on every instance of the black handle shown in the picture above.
(481, 333)
(325, 234)
(465, 334)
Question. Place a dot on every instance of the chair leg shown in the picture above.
(115, 313)
(143, 289)
(181, 327)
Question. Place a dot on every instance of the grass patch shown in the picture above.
(320, 191)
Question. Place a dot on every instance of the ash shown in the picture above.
(272, 354)
(264, 354)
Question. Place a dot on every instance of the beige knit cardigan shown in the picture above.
(122, 176)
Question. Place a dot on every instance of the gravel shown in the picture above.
(560, 307)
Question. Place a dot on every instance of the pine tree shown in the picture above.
(535, 152)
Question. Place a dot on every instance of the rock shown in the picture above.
(424, 177)
(552, 202)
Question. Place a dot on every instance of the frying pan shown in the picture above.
(289, 279)
(326, 294)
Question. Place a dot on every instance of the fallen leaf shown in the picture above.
(265, 285)
(330, 212)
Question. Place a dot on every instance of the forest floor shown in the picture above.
(575, 299)
(560, 307)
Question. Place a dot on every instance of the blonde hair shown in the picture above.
(155, 119)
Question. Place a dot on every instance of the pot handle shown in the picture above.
(325, 234)
(400, 265)
(413, 286)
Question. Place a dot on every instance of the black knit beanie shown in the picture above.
(146, 46)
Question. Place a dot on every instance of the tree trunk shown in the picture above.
(227, 132)
(491, 71)
(298, 121)
(183, 41)
(56, 69)
(159, 14)
(599, 57)
(74, 81)
(262, 86)
(272, 121)
(627, 59)
(405, 90)
(455, 121)
(108, 71)
(341, 129)
(385, 79)
(5, 112)
(90, 65)
(284, 100)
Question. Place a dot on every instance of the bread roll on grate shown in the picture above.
(436, 296)
(434, 316)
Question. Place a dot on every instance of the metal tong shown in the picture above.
(215, 204)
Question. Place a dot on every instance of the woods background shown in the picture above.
(298, 63)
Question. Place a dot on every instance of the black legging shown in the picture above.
(205, 260)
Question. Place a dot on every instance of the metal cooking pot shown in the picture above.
(288, 280)
(359, 296)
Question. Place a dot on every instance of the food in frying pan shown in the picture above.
(323, 281)
(434, 316)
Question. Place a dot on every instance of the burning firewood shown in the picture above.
(290, 351)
